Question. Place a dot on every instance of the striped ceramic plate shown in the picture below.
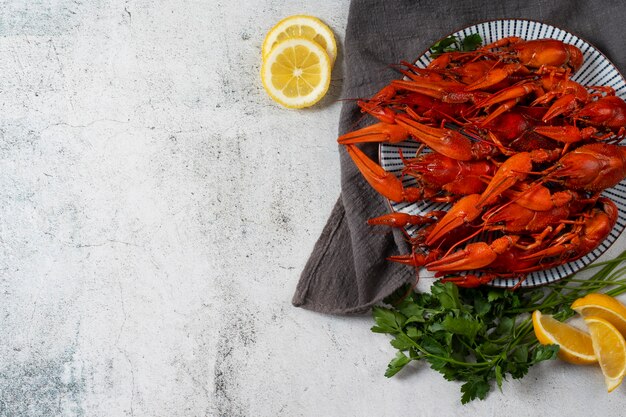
(596, 70)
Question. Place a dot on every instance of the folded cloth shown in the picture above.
(347, 272)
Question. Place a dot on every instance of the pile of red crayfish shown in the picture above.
(518, 148)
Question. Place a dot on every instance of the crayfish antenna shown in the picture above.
(460, 242)
(520, 281)
(470, 280)
(417, 260)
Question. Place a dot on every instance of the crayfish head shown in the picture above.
(610, 209)
(549, 52)
(575, 60)
(608, 111)
(509, 126)
(596, 113)
(598, 226)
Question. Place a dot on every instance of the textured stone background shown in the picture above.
(155, 211)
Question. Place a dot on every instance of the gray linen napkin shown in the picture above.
(347, 272)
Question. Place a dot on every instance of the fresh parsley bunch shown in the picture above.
(469, 335)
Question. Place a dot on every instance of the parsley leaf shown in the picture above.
(471, 42)
(474, 388)
(464, 326)
(445, 45)
(387, 321)
(452, 43)
(544, 352)
(396, 364)
(448, 295)
(499, 377)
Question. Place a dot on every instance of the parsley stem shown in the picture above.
(522, 331)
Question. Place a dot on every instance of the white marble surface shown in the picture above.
(155, 212)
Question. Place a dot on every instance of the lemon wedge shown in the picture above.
(575, 345)
(610, 349)
(603, 306)
(296, 73)
(301, 26)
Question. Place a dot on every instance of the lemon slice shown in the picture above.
(575, 345)
(301, 26)
(610, 349)
(296, 73)
(603, 306)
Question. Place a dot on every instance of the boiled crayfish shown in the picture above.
(520, 150)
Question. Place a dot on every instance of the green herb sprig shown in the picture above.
(452, 43)
(478, 336)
